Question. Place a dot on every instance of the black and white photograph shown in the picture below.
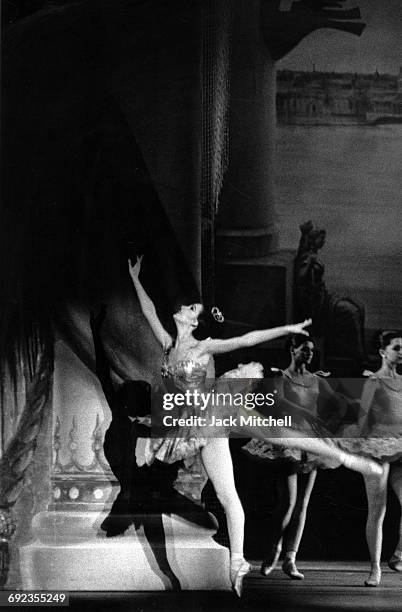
(200, 305)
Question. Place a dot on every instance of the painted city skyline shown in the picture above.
(316, 97)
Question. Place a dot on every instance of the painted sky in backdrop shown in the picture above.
(379, 47)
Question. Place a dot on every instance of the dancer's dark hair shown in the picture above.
(296, 340)
(385, 337)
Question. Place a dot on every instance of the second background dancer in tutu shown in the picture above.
(378, 435)
(296, 470)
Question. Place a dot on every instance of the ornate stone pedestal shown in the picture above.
(69, 553)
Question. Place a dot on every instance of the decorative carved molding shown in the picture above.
(98, 465)
(80, 486)
(75, 484)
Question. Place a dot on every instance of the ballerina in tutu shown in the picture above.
(189, 362)
(378, 435)
(297, 469)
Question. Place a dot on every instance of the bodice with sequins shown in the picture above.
(186, 374)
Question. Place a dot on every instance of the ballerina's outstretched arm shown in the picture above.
(147, 306)
(258, 336)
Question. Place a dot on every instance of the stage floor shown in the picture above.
(327, 586)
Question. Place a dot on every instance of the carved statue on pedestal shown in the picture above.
(337, 320)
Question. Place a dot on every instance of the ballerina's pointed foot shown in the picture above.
(290, 569)
(269, 564)
(395, 562)
(374, 578)
(238, 570)
(362, 465)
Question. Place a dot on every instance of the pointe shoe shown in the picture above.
(238, 570)
(269, 565)
(361, 464)
(374, 578)
(395, 562)
(290, 569)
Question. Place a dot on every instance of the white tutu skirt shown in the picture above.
(305, 462)
(383, 444)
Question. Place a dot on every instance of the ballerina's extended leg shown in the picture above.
(296, 439)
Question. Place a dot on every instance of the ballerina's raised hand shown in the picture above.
(135, 269)
(299, 328)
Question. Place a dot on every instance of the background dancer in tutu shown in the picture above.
(308, 392)
(189, 362)
(378, 434)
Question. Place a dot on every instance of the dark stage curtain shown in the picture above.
(101, 147)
